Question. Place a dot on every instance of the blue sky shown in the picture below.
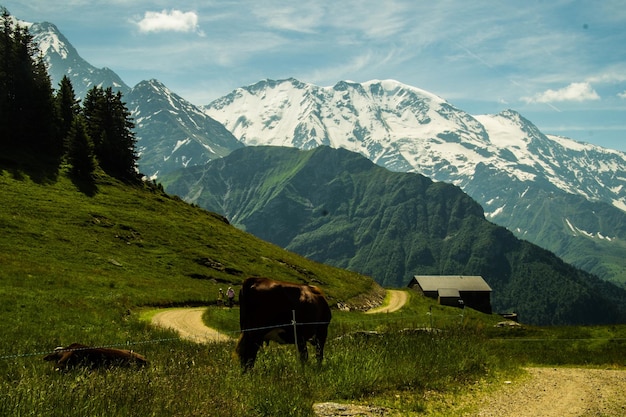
(561, 64)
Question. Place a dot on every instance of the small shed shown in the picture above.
(455, 290)
(449, 297)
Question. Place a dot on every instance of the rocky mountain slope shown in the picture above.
(173, 133)
(63, 59)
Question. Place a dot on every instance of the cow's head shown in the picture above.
(246, 350)
(56, 355)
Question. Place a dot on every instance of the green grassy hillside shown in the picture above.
(77, 267)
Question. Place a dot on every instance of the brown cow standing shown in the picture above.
(266, 313)
(91, 357)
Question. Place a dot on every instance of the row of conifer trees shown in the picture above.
(44, 124)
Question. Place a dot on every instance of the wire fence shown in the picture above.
(222, 335)
(107, 346)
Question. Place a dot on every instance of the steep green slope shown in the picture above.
(76, 267)
(337, 207)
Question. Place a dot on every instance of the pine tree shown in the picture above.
(110, 126)
(68, 107)
(94, 107)
(26, 101)
(81, 150)
(6, 51)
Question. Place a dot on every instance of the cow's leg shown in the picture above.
(248, 361)
(320, 341)
(304, 351)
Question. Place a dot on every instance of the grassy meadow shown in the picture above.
(90, 268)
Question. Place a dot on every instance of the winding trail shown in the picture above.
(546, 392)
(189, 325)
(397, 299)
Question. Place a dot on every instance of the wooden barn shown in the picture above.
(455, 290)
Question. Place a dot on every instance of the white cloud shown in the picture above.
(622, 95)
(169, 21)
(573, 92)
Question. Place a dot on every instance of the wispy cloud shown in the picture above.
(622, 95)
(301, 17)
(169, 21)
(573, 92)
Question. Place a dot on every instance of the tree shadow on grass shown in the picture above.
(41, 169)
(86, 186)
(20, 164)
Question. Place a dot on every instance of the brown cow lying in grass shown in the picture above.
(92, 358)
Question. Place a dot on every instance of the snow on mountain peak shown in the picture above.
(387, 121)
(51, 41)
(405, 128)
(62, 59)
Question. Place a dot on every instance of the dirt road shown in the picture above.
(559, 392)
(397, 299)
(189, 325)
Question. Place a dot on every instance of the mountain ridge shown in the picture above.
(441, 123)
(173, 133)
(63, 59)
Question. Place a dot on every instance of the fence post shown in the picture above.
(295, 334)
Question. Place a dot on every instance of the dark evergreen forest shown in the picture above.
(43, 129)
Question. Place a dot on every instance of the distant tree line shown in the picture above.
(38, 122)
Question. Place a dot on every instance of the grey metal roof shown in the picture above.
(448, 292)
(459, 282)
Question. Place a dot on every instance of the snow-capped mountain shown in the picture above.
(63, 59)
(173, 133)
(556, 192)
(407, 129)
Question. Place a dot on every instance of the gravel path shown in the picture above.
(397, 299)
(189, 325)
(559, 392)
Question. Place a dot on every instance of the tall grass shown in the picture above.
(562, 345)
(184, 379)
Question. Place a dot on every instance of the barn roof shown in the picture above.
(449, 292)
(459, 282)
